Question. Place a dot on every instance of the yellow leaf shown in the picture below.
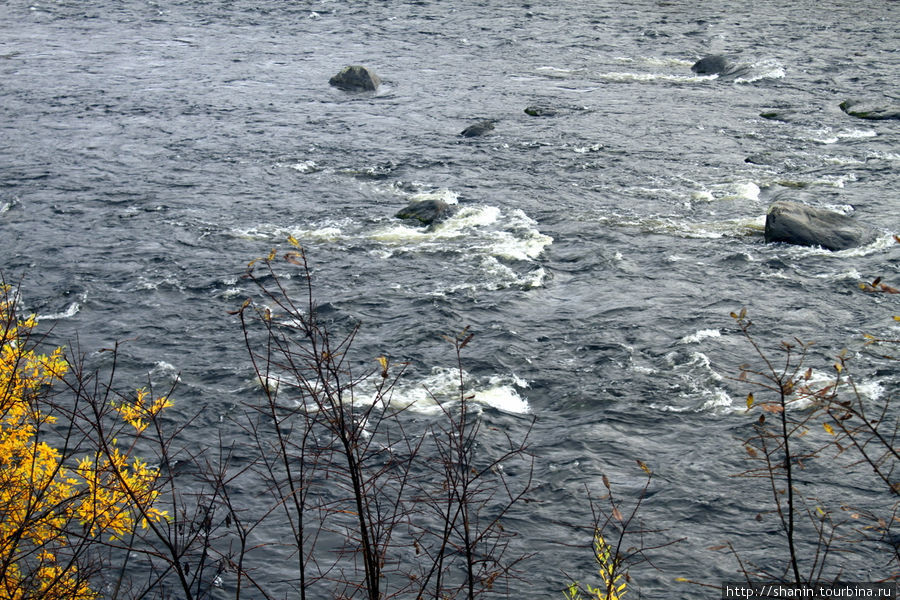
(838, 367)
(682, 580)
(828, 428)
(293, 241)
(272, 254)
(644, 467)
(749, 400)
(897, 317)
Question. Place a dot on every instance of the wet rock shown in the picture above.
(795, 223)
(540, 111)
(356, 78)
(479, 128)
(783, 115)
(427, 212)
(721, 65)
(864, 109)
(711, 65)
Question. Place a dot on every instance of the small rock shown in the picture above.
(479, 128)
(540, 111)
(711, 65)
(356, 78)
(426, 212)
(718, 64)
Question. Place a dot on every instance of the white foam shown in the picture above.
(68, 313)
(321, 234)
(879, 244)
(826, 136)
(586, 149)
(444, 194)
(855, 134)
(305, 166)
(479, 228)
(165, 370)
(737, 190)
(498, 242)
(885, 155)
(730, 228)
(716, 399)
(555, 71)
(470, 216)
(504, 398)
(844, 160)
(440, 390)
(774, 72)
(626, 77)
(700, 335)
(656, 61)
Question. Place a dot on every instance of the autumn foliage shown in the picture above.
(62, 493)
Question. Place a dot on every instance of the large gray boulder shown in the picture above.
(426, 212)
(795, 223)
(356, 78)
(868, 109)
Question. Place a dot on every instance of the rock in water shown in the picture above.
(540, 111)
(426, 212)
(711, 65)
(877, 111)
(795, 223)
(356, 78)
(479, 128)
(718, 64)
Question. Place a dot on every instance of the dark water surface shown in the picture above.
(149, 150)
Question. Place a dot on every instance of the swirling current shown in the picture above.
(151, 149)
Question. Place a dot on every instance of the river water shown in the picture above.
(150, 150)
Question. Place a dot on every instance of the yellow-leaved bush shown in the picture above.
(51, 512)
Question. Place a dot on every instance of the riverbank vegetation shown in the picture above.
(100, 498)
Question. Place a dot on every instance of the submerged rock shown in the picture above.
(783, 114)
(878, 111)
(427, 212)
(356, 78)
(540, 111)
(795, 223)
(479, 128)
